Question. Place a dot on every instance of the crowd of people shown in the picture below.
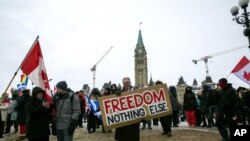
(35, 118)
(222, 107)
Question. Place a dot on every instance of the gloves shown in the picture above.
(72, 126)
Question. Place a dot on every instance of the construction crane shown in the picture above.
(93, 69)
(205, 58)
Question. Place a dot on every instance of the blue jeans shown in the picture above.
(63, 135)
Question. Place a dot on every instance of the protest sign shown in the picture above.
(133, 106)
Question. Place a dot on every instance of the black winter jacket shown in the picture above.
(227, 101)
(38, 119)
(129, 132)
(212, 98)
(20, 108)
(190, 102)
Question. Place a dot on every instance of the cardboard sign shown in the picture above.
(133, 106)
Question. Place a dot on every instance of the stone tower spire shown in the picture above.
(141, 67)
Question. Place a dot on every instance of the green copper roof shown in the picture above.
(140, 41)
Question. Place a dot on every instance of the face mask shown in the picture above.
(39, 100)
(222, 85)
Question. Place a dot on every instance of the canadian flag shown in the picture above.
(242, 70)
(33, 66)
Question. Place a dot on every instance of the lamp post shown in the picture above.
(243, 18)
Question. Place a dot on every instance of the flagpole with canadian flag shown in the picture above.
(20, 66)
(34, 68)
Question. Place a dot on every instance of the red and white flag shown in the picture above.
(33, 66)
(242, 70)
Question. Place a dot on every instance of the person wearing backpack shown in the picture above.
(67, 112)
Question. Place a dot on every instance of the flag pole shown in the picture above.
(228, 75)
(20, 65)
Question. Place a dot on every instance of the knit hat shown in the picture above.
(62, 85)
(14, 94)
(223, 80)
(5, 94)
(95, 91)
(158, 82)
(37, 90)
(26, 91)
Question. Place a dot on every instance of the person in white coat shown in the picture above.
(12, 114)
(3, 111)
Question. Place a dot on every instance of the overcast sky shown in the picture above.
(74, 34)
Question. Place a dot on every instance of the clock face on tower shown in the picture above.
(140, 51)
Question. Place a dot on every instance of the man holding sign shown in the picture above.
(125, 111)
(132, 131)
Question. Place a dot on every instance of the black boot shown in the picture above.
(89, 131)
(224, 134)
(109, 131)
(204, 125)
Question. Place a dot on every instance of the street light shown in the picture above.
(242, 19)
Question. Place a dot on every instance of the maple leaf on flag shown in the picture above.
(246, 75)
(242, 70)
